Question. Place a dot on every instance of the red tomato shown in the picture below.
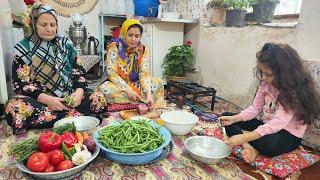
(66, 164)
(38, 162)
(50, 168)
(56, 156)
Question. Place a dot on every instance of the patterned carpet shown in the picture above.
(178, 165)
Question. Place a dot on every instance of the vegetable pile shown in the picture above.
(56, 150)
(131, 137)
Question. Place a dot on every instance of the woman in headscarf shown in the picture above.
(46, 70)
(128, 70)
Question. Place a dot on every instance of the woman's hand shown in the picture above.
(54, 103)
(134, 96)
(228, 120)
(150, 102)
(77, 97)
(236, 140)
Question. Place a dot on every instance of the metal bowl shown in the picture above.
(133, 158)
(207, 149)
(65, 174)
(82, 123)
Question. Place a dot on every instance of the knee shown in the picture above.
(271, 149)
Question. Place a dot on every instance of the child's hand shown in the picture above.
(227, 120)
(235, 140)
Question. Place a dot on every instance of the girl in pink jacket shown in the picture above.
(286, 101)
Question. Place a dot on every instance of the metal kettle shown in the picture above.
(93, 46)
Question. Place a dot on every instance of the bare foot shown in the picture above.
(249, 154)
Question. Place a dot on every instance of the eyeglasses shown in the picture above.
(262, 75)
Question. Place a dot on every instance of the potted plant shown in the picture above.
(263, 10)
(178, 61)
(236, 12)
(217, 10)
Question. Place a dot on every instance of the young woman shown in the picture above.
(286, 99)
(128, 70)
(45, 70)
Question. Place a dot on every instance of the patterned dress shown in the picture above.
(52, 68)
(121, 71)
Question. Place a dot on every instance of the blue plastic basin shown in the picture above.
(133, 158)
(147, 8)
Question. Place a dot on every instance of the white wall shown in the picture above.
(91, 22)
(226, 56)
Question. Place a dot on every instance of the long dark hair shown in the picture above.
(296, 87)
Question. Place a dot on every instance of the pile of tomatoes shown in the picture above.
(54, 152)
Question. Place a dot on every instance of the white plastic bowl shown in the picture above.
(179, 122)
(82, 123)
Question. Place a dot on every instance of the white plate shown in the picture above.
(82, 123)
(59, 174)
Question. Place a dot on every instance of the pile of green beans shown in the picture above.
(131, 136)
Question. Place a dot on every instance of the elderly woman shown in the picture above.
(45, 70)
(128, 70)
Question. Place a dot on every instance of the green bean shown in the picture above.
(131, 137)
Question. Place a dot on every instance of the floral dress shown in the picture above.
(51, 68)
(121, 74)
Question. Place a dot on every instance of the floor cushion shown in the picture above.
(280, 166)
(283, 165)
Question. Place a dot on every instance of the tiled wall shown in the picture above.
(189, 9)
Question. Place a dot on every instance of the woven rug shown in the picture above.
(178, 165)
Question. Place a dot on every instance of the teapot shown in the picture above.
(77, 19)
(93, 45)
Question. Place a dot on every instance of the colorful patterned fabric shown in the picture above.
(50, 67)
(280, 166)
(120, 107)
(284, 164)
(119, 82)
(25, 113)
(178, 165)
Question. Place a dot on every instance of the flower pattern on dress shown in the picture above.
(20, 110)
(23, 73)
(29, 88)
(45, 115)
(98, 101)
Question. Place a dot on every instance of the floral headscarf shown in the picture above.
(133, 53)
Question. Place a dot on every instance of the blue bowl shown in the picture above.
(133, 158)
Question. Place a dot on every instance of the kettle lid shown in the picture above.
(91, 38)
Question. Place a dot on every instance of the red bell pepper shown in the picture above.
(69, 138)
(49, 141)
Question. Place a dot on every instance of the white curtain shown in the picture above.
(6, 40)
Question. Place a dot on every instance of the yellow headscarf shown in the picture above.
(126, 25)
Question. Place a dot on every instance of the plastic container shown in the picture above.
(148, 8)
(133, 158)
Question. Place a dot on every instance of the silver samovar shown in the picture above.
(78, 33)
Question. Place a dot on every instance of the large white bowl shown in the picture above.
(65, 174)
(82, 123)
(179, 122)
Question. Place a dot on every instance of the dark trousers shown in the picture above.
(270, 145)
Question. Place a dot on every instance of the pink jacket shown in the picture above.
(273, 114)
